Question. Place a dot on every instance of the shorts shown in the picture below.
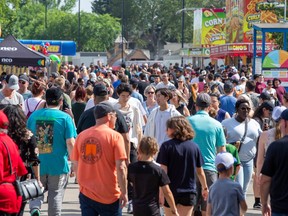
(211, 177)
(186, 199)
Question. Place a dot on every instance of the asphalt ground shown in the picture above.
(71, 206)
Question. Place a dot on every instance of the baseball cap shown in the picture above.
(12, 82)
(243, 78)
(4, 122)
(268, 105)
(265, 96)
(277, 112)
(100, 90)
(53, 95)
(203, 72)
(54, 75)
(224, 158)
(23, 77)
(284, 115)
(203, 100)
(101, 110)
(188, 68)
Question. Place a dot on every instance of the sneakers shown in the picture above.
(130, 207)
(35, 212)
(257, 206)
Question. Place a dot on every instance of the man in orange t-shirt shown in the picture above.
(99, 158)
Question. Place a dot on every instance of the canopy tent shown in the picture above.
(12, 52)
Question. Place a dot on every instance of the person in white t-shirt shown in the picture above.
(156, 124)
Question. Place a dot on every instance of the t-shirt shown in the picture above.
(275, 166)
(209, 135)
(161, 118)
(225, 196)
(181, 159)
(26, 95)
(236, 130)
(87, 120)
(9, 201)
(14, 100)
(227, 103)
(52, 128)
(96, 150)
(146, 178)
(234, 151)
(77, 109)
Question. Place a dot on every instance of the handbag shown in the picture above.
(28, 189)
(238, 144)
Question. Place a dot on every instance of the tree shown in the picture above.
(150, 23)
(98, 32)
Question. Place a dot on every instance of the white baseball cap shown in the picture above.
(224, 158)
(277, 112)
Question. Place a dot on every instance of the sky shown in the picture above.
(85, 5)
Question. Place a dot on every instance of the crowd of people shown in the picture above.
(200, 135)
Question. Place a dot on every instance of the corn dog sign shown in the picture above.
(209, 26)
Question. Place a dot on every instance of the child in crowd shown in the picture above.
(147, 177)
(225, 196)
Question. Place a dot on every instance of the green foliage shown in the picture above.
(151, 23)
(98, 32)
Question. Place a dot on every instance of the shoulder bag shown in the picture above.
(28, 189)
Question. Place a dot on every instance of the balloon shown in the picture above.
(54, 57)
(33, 47)
(42, 44)
(47, 44)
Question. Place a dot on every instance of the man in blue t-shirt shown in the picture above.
(228, 101)
(209, 136)
(55, 134)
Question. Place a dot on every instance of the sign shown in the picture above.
(234, 21)
(256, 11)
(209, 27)
(50, 49)
(213, 26)
(6, 60)
(8, 48)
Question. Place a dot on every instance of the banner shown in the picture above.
(234, 21)
(255, 13)
(213, 27)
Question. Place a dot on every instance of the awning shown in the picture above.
(238, 49)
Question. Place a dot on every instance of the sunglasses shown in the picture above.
(150, 92)
(22, 82)
(245, 109)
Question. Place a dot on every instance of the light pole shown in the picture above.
(79, 25)
(182, 30)
(122, 34)
(46, 10)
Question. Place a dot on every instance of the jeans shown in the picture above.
(90, 207)
(279, 214)
(56, 186)
(245, 174)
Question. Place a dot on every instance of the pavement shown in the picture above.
(71, 206)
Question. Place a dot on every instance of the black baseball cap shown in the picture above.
(53, 95)
(265, 96)
(100, 90)
(103, 109)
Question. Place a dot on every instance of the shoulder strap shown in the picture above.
(245, 133)
(38, 104)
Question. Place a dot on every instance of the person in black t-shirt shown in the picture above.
(274, 176)
(87, 119)
(182, 160)
(147, 177)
